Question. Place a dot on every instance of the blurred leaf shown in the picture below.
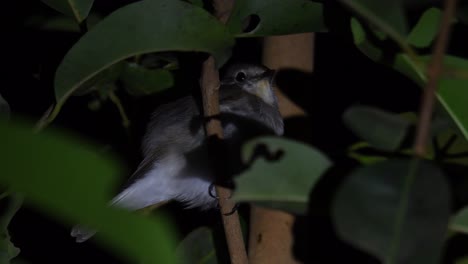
(356, 152)
(4, 108)
(78, 9)
(426, 29)
(383, 130)
(140, 81)
(8, 250)
(198, 247)
(463, 260)
(283, 182)
(459, 223)
(361, 42)
(397, 210)
(457, 145)
(60, 23)
(53, 170)
(141, 27)
(277, 17)
(452, 91)
(387, 16)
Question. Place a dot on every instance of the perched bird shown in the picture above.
(176, 164)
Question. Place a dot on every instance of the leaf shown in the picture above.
(101, 80)
(452, 92)
(397, 210)
(60, 23)
(383, 130)
(197, 247)
(4, 108)
(141, 27)
(459, 222)
(426, 29)
(387, 16)
(284, 183)
(140, 81)
(458, 145)
(78, 9)
(53, 170)
(276, 17)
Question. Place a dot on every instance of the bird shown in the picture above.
(175, 163)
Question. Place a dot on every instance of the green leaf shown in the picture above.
(383, 130)
(387, 16)
(139, 81)
(65, 178)
(397, 210)
(463, 260)
(452, 92)
(78, 9)
(4, 108)
(198, 247)
(426, 29)
(277, 17)
(459, 223)
(102, 80)
(60, 23)
(141, 27)
(458, 145)
(284, 183)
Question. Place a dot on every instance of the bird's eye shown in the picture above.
(240, 77)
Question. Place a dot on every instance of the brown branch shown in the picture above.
(434, 71)
(209, 82)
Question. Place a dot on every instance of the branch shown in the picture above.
(434, 71)
(209, 83)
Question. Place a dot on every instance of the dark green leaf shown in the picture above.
(78, 9)
(383, 130)
(452, 91)
(60, 23)
(102, 80)
(140, 81)
(397, 210)
(276, 17)
(284, 182)
(460, 222)
(198, 247)
(65, 178)
(142, 27)
(386, 16)
(426, 29)
(457, 145)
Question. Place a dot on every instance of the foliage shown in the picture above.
(388, 206)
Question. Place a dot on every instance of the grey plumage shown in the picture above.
(175, 164)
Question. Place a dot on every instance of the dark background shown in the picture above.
(343, 76)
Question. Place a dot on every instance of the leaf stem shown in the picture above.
(125, 121)
(49, 115)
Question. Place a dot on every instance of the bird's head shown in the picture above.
(254, 79)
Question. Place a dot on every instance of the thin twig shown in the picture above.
(434, 71)
(210, 86)
(115, 99)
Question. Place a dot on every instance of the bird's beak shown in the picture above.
(264, 85)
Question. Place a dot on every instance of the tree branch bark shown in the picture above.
(209, 82)
(434, 71)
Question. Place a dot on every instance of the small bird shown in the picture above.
(176, 164)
